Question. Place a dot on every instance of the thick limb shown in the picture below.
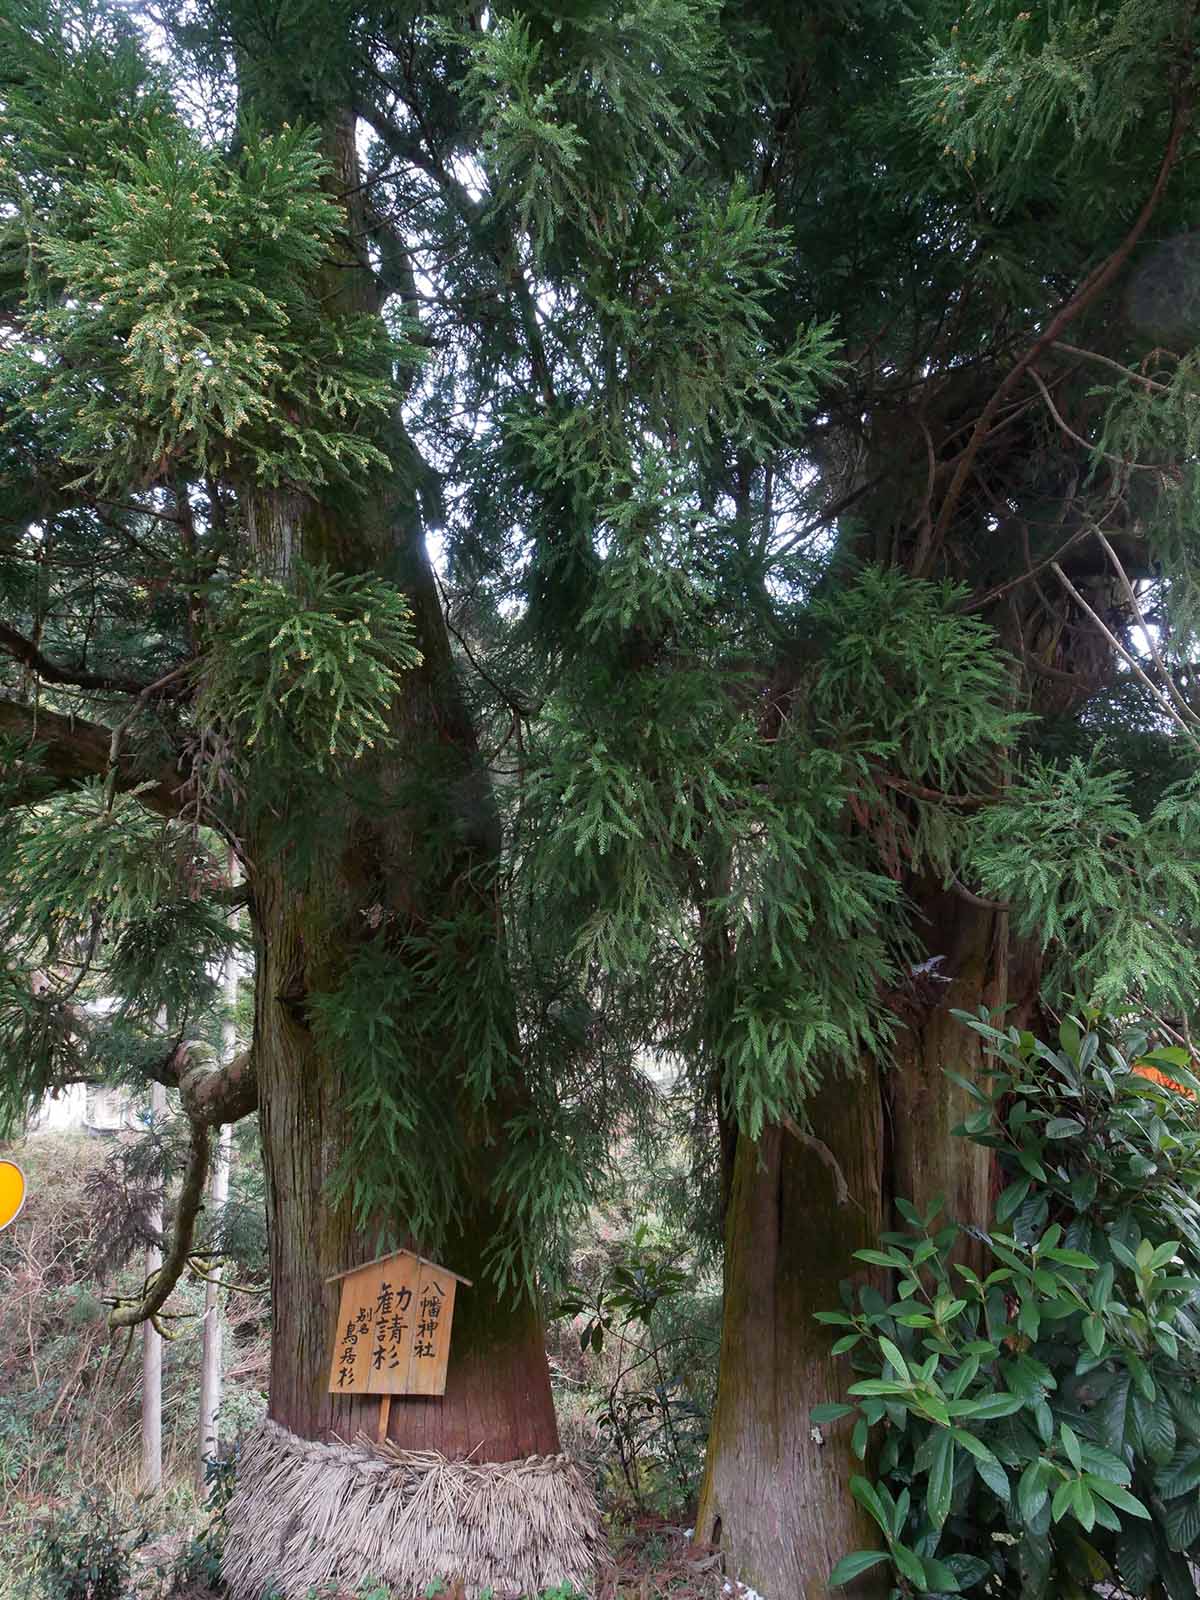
(71, 750)
(27, 653)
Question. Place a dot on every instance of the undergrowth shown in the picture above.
(70, 1397)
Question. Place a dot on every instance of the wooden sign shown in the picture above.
(393, 1327)
(12, 1192)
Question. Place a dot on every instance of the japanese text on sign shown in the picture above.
(393, 1328)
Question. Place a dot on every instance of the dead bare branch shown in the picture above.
(1130, 660)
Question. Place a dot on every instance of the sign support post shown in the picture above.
(393, 1329)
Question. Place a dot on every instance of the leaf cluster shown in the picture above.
(108, 916)
(172, 319)
(1113, 898)
(1033, 1412)
(306, 670)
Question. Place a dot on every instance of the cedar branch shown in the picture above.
(27, 653)
(72, 750)
(211, 1096)
(191, 1199)
(1091, 287)
(1130, 661)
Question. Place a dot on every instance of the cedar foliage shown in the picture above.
(691, 320)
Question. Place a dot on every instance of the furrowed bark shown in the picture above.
(924, 1106)
(775, 1496)
(497, 1404)
(376, 874)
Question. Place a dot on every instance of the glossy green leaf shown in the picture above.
(851, 1567)
(895, 1359)
(865, 1493)
(1117, 1496)
(1063, 1127)
(941, 1478)
(832, 1411)
(909, 1564)
(1137, 1559)
(939, 1575)
(1032, 1490)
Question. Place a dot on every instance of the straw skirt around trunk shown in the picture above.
(306, 1515)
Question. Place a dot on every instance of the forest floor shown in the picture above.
(654, 1560)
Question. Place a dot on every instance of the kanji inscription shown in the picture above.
(393, 1328)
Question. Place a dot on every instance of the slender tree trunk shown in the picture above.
(218, 1194)
(775, 1488)
(152, 1341)
(210, 1360)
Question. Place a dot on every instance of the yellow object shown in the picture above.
(12, 1192)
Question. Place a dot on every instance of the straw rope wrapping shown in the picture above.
(307, 1514)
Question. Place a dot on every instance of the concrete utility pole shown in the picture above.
(152, 1340)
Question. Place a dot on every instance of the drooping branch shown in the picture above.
(113, 774)
(1088, 291)
(160, 1283)
(1184, 709)
(1130, 661)
(211, 1096)
(921, 791)
(1077, 438)
(71, 750)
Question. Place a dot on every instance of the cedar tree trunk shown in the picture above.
(374, 871)
(776, 1492)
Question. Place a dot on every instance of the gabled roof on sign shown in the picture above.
(391, 1256)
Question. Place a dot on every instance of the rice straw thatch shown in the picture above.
(307, 1515)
